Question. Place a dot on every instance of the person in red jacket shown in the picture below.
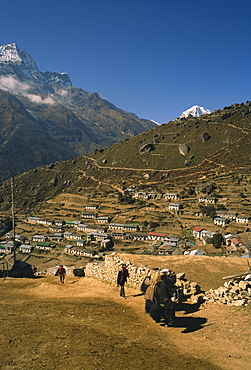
(123, 274)
(61, 273)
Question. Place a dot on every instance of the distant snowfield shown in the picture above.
(155, 122)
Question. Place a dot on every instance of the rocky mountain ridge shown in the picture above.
(21, 67)
(43, 118)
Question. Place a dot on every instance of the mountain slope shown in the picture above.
(184, 151)
(23, 143)
(220, 139)
(63, 121)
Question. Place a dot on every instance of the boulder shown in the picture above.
(146, 148)
(239, 303)
(244, 284)
(183, 149)
(181, 276)
(205, 136)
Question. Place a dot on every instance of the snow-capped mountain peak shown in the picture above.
(195, 111)
(20, 67)
(10, 54)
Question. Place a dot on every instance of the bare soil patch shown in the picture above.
(84, 324)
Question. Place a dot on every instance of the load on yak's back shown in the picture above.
(160, 295)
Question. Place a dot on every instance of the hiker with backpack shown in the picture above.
(61, 273)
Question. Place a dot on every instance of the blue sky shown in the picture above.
(155, 58)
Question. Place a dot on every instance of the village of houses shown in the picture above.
(80, 238)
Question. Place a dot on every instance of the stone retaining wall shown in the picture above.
(107, 270)
(234, 292)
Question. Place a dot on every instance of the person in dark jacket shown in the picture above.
(123, 274)
(61, 273)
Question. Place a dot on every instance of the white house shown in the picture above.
(195, 252)
(171, 196)
(103, 219)
(72, 236)
(10, 236)
(228, 238)
(131, 227)
(174, 206)
(91, 206)
(33, 220)
(67, 248)
(44, 221)
(25, 248)
(106, 243)
(81, 243)
(197, 232)
(92, 236)
(81, 227)
(139, 236)
(39, 238)
(55, 228)
(89, 214)
(114, 226)
(60, 223)
(158, 236)
(90, 228)
(206, 234)
(67, 234)
(228, 215)
(6, 248)
(70, 249)
(220, 221)
(44, 246)
(242, 219)
(207, 200)
(141, 195)
(118, 235)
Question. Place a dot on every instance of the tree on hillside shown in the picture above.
(145, 224)
(217, 240)
(248, 245)
(208, 210)
(153, 224)
(126, 199)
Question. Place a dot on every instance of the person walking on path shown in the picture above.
(123, 274)
(61, 273)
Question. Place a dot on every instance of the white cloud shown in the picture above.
(16, 87)
(11, 84)
(37, 99)
(62, 92)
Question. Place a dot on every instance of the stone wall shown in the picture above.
(107, 270)
(234, 292)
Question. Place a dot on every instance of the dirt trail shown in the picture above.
(84, 324)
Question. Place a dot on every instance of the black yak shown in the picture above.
(159, 300)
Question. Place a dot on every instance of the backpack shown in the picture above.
(61, 271)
